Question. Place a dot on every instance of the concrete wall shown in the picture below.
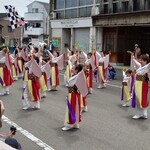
(37, 40)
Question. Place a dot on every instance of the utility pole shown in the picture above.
(21, 38)
(50, 30)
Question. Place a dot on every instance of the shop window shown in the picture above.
(82, 12)
(125, 6)
(38, 25)
(73, 13)
(71, 3)
(82, 2)
(115, 7)
(60, 14)
(68, 13)
(110, 42)
(35, 10)
(136, 5)
(68, 3)
(146, 4)
(89, 10)
(9, 29)
(105, 1)
(89, 2)
(106, 9)
(59, 4)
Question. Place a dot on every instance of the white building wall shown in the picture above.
(56, 32)
(46, 22)
(74, 32)
(35, 5)
(36, 41)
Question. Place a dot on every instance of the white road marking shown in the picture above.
(113, 85)
(28, 134)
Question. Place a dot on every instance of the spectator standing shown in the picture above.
(51, 47)
(137, 52)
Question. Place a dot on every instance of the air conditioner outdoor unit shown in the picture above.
(53, 15)
(95, 11)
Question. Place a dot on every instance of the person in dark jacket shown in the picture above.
(51, 47)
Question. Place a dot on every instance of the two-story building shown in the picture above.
(71, 24)
(37, 18)
(116, 27)
(124, 24)
(9, 36)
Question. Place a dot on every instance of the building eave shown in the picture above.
(140, 18)
(146, 12)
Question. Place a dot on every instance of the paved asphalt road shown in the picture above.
(106, 126)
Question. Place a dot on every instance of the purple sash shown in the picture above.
(71, 111)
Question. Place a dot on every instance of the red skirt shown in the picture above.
(75, 100)
(84, 102)
(36, 89)
(57, 75)
(144, 94)
(7, 77)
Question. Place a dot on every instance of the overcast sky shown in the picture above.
(20, 5)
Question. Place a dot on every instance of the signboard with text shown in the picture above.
(55, 42)
(72, 23)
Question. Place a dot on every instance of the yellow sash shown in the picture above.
(138, 91)
(67, 73)
(30, 89)
(14, 71)
(53, 76)
(2, 75)
(20, 65)
(43, 84)
(100, 68)
(26, 76)
(127, 93)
